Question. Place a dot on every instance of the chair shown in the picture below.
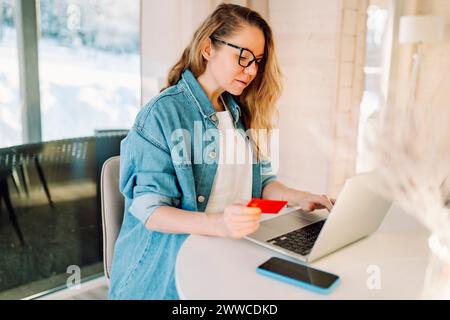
(4, 195)
(112, 202)
(106, 145)
(26, 154)
(8, 168)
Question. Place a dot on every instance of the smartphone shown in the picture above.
(299, 275)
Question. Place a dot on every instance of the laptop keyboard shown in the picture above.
(301, 240)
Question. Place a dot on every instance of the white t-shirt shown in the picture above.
(234, 177)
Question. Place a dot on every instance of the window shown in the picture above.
(374, 69)
(89, 66)
(89, 82)
(10, 120)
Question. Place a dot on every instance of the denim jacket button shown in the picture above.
(201, 199)
(212, 154)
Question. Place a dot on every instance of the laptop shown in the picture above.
(358, 212)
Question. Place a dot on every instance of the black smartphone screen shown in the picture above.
(299, 272)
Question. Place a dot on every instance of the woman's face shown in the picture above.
(224, 65)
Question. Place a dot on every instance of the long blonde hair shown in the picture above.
(258, 100)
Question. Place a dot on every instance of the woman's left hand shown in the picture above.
(310, 202)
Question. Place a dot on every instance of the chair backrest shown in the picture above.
(112, 209)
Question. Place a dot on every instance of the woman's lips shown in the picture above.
(241, 83)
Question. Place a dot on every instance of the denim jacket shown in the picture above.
(169, 158)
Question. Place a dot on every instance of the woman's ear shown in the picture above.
(207, 49)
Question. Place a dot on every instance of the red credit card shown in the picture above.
(267, 206)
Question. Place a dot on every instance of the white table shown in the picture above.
(218, 268)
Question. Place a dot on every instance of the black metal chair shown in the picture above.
(13, 164)
(84, 155)
(30, 153)
(7, 167)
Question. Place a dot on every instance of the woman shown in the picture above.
(174, 175)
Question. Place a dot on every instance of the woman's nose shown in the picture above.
(252, 69)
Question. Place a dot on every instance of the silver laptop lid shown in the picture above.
(359, 210)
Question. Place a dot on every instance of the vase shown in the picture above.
(437, 277)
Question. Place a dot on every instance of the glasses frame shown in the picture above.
(255, 60)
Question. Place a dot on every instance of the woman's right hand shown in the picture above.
(238, 221)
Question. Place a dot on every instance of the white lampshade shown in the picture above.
(416, 29)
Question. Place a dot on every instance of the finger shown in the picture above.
(311, 206)
(246, 228)
(246, 225)
(248, 231)
(329, 200)
(241, 202)
(324, 201)
(316, 204)
(245, 218)
(240, 206)
(248, 210)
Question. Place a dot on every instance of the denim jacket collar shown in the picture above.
(201, 100)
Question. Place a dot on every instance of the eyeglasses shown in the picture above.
(246, 57)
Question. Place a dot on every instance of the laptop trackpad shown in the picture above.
(291, 221)
(286, 223)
